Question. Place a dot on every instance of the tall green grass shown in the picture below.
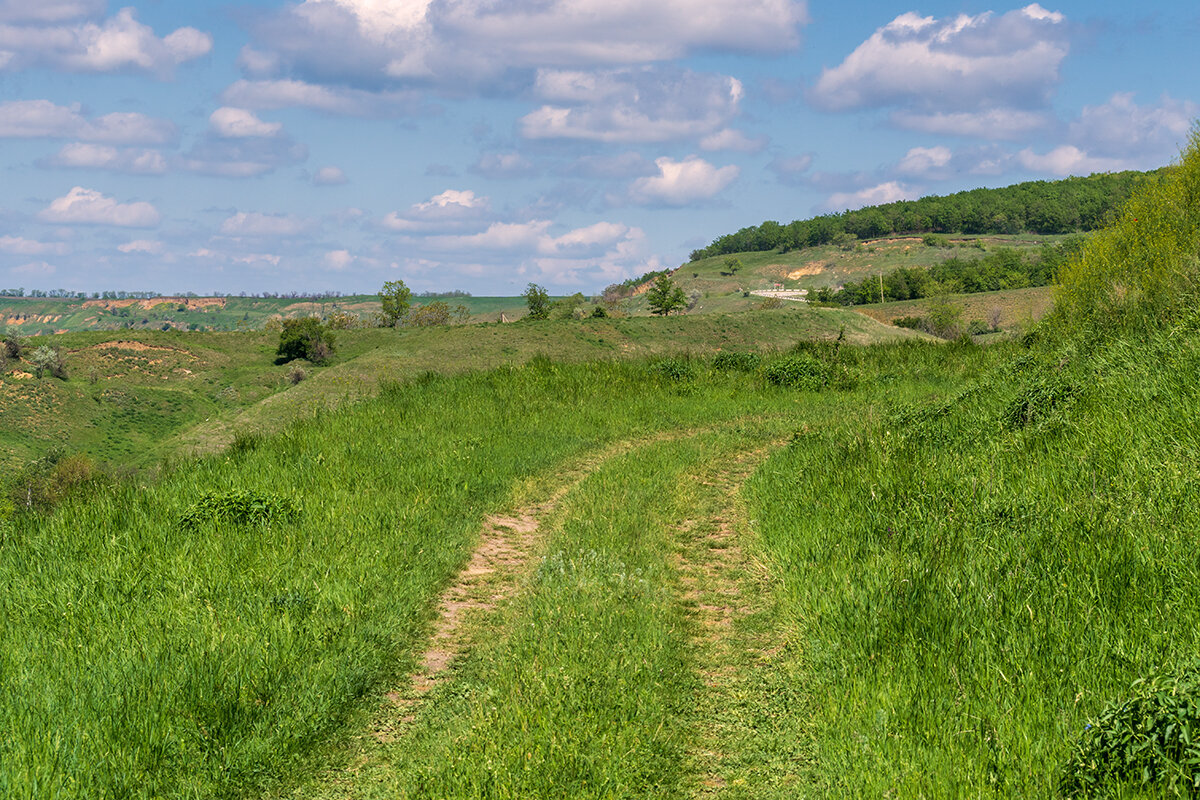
(1143, 269)
(977, 577)
(195, 636)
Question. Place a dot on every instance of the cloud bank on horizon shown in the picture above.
(336, 144)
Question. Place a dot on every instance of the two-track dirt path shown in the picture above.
(723, 591)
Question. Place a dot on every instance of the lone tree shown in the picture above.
(664, 296)
(47, 359)
(538, 301)
(305, 337)
(395, 298)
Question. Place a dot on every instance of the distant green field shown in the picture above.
(34, 316)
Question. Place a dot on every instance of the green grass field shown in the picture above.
(33, 316)
(140, 396)
(761, 555)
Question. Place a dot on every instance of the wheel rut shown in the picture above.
(736, 650)
(508, 544)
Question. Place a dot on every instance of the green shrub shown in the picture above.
(429, 315)
(238, 507)
(1149, 741)
(1143, 269)
(798, 372)
(304, 337)
(915, 323)
(737, 362)
(45, 483)
(599, 313)
(674, 369)
(978, 327)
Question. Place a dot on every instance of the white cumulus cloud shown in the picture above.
(134, 161)
(472, 41)
(49, 10)
(1145, 134)
(238, 123)
(89, 207)
(274, 94)
(730, 139)
(1068, 159)
(679, 183)
(148, 246)
(992, 123)
(67, 40)
(941, 74)
(338, 259)
(42, 119)
(636, 105)
(34, 269)
(450, 210)
(923, 160)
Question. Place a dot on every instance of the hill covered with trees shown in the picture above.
(1073, 205)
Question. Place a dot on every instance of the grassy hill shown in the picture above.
(904, 568)
(830, 265)
(137, 396)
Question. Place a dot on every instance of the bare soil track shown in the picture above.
(721, 589)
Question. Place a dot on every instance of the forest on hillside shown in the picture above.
(1073, 205)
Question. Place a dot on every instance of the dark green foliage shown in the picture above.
(565, 307)
(737, 362)
(633, 283)
(1057, 207)
(304, 337)
(674, 369)
(239, 507)
(664, 296)
(48, 359)
(1004, 268)
(538, 302)
(915, 323)
(43, 484)
(1044, 397)
(429, 315)
(394, 299)
(797, 372)
(1149, 741)
(1142, 272)
(978, 327)
(599, 313)
(13, 345)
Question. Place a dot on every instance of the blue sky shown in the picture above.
(259, 145)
